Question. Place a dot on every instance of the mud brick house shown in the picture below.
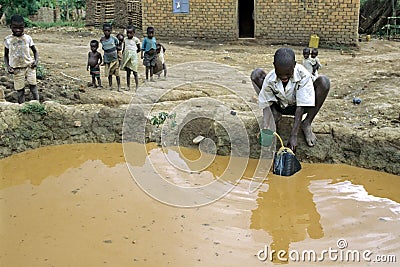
(276, 21)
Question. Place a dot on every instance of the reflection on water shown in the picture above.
(81, 200)
(287, 212)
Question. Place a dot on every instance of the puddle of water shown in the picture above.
(77, 205)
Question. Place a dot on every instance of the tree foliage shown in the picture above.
(30, 7)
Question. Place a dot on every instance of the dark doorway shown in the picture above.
(246, 21)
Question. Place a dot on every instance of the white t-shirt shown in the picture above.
(161, 56)
(131, 44)
(299, 90)
(19, 50)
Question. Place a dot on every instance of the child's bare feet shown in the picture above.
(311, 139)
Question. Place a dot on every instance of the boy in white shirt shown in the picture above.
(18, 59)
(288, 89)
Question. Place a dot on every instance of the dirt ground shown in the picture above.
(371, 72)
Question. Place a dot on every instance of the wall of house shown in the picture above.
(277, 21)
(334, 21)
(207, 18)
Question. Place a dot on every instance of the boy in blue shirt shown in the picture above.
(109, 44)
(149, 46)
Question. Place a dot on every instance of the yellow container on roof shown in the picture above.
(314, 41)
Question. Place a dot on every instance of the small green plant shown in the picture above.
(41, 72)
(30, 108)
(159, 119)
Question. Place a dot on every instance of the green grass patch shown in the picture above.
(30, 108)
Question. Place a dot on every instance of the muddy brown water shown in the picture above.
(77, 205)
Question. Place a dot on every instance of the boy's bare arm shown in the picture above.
(266, 117)
(87, 65)
(35, 56)
(6, 60)
(292, 144)
(100, 59)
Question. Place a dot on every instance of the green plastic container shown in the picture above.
(266, 137)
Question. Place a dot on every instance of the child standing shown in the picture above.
(120, 38)
(94, 62)
(149, 48)
(314, 60)
(18, 60)
(109, 45)
(160, 53)
(306, 60)
(130, 57)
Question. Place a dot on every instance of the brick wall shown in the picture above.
(207, 18)
(276, 21)
(293, 21)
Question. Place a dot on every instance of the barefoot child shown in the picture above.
(18, 60)
(130, 56)
(94, 62)
(120, 38)
(149, 49)
(160, 54)
(288, 89)
(314, 60)
(109, 45)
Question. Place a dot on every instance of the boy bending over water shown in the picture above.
(288, 89)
